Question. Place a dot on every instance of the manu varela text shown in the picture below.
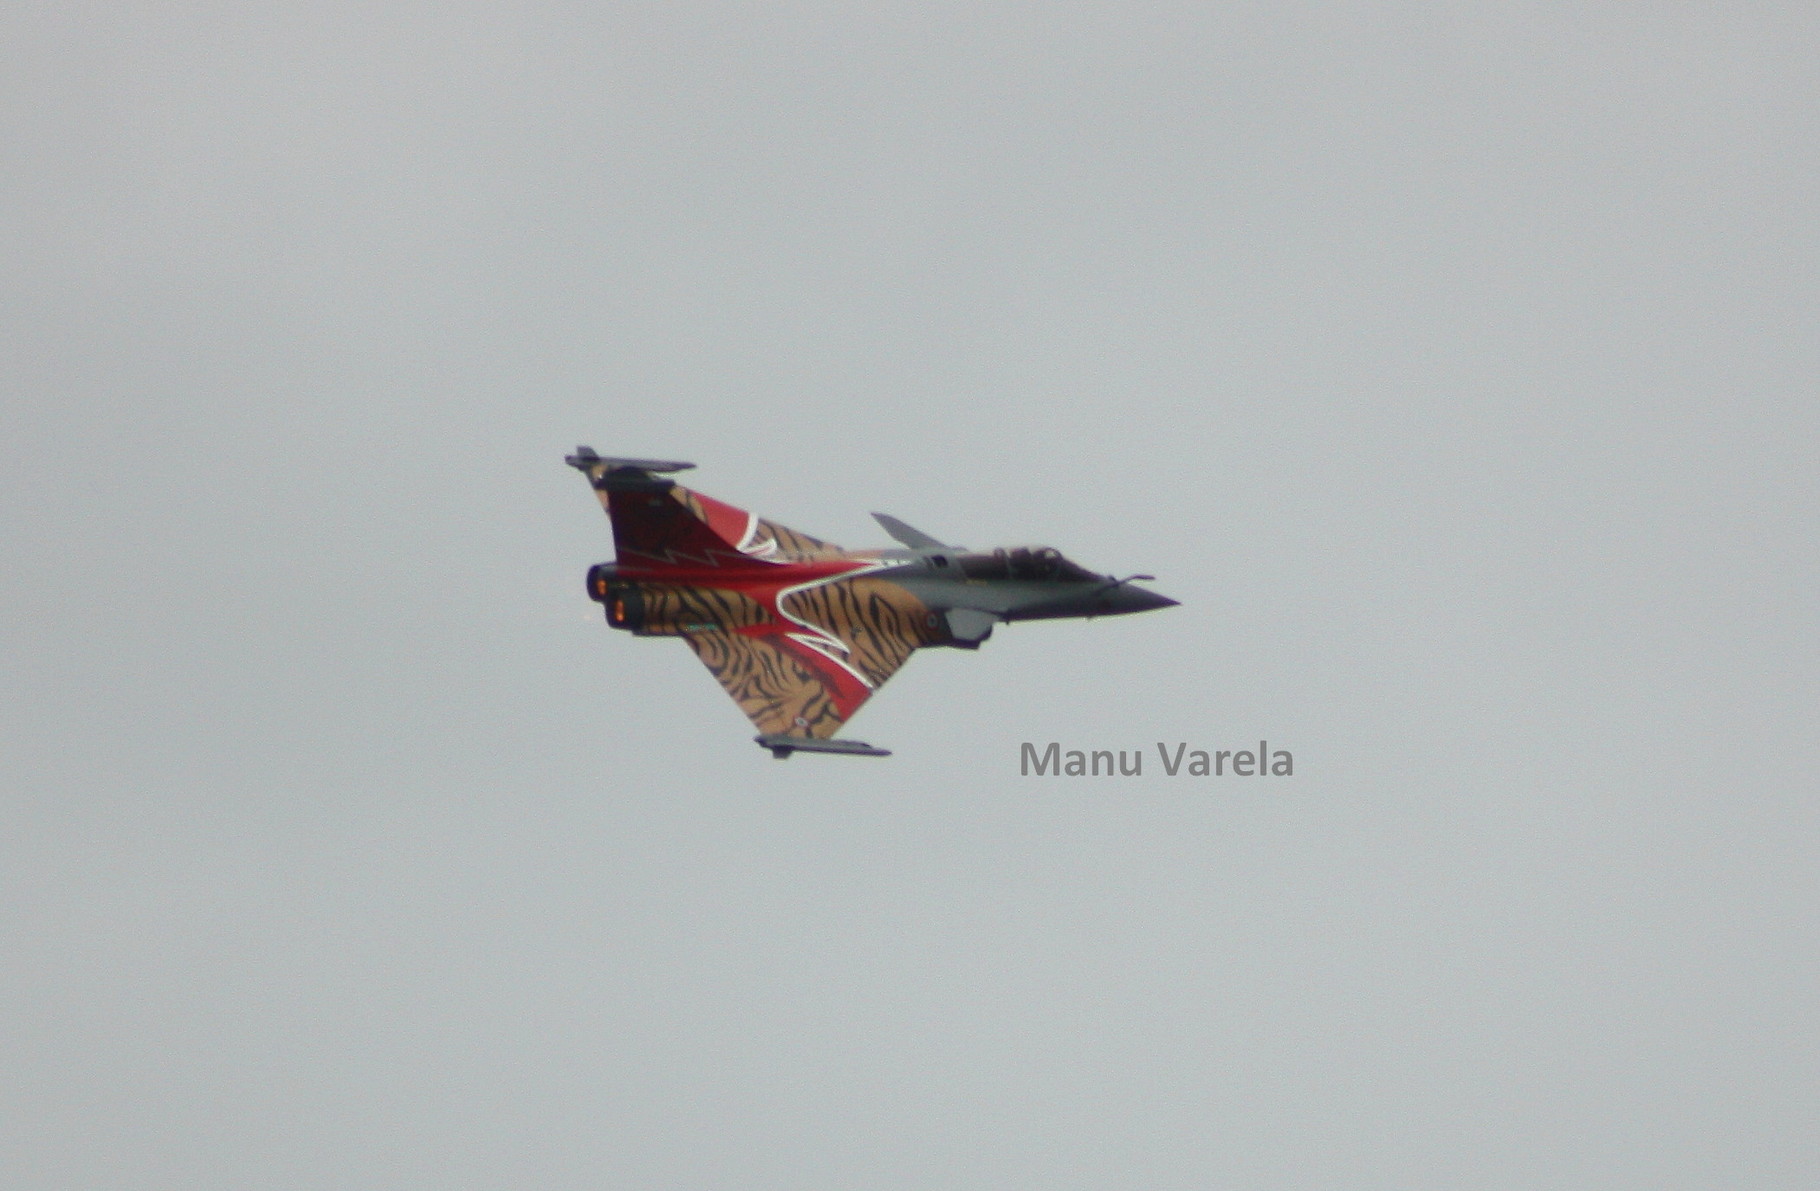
(1052, 761)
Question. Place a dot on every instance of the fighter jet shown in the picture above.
(799, 632)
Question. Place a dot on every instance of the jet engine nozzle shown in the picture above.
(601, 576)
(624, 602)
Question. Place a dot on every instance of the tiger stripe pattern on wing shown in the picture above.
(672, 608)
(879, 621)
(789, 542)
(778, 693)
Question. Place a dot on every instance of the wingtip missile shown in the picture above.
(782, 746)
(586, 459)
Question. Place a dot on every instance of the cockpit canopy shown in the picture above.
(1023, 562)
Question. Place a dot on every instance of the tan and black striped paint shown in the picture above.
(787, 672)
(879, 623)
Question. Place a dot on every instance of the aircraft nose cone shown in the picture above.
(1136, 599)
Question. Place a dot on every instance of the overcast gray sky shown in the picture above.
(1453, 367)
